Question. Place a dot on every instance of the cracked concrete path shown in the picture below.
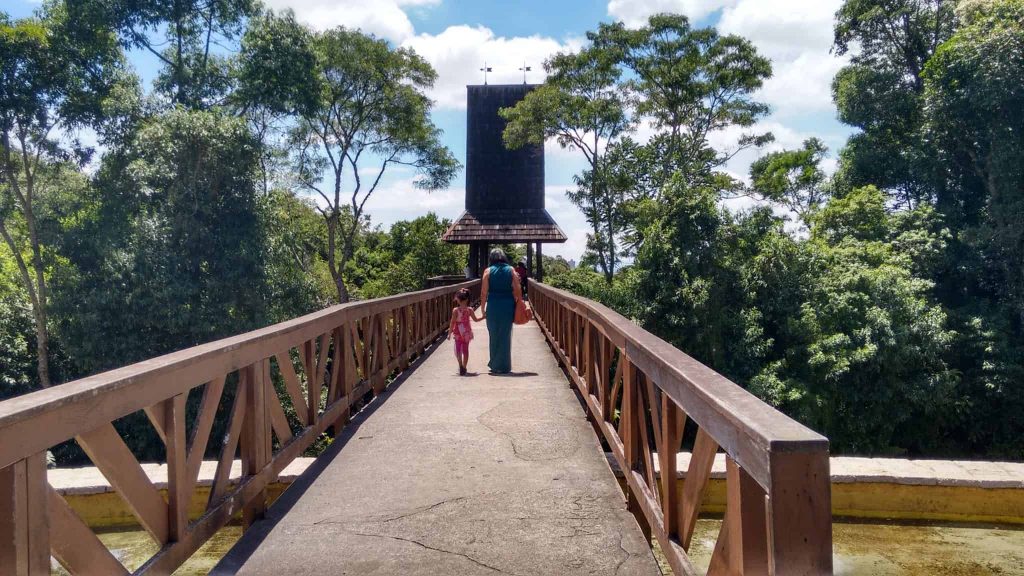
(456, 475)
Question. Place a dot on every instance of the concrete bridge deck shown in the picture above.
(456, 475)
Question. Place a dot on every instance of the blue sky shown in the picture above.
(457, 36)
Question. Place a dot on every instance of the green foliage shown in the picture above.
(174, 248)
(277, 62)
(792, 178)
(692, 82)
(880, 91)
(360, 108)
(686, 83)
(975, 110)
(405, 257)
(838, 329)
(619, 295)
(55, 76)
(872, 341)
(298, 281)
(17, 361)
(182, 35)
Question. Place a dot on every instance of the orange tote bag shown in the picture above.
(523, 312)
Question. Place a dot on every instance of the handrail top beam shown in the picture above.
(27, 406)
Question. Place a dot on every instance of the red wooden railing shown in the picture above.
(319, 366)
(640, 391)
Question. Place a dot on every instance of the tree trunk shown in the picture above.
(339, 283)
(42, 348)
(37, 298)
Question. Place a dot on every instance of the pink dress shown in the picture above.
(463, 330)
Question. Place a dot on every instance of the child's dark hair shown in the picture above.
(463, 295)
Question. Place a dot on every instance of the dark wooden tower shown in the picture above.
(504, 188)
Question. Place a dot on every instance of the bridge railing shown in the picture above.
(640, 391)
(279, 387)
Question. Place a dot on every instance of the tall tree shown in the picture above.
(691, 83)
(879, 92)
(975, 112)
(583, 104)
(54, 80)
(361, 111)
(187, 36)
(174, 247)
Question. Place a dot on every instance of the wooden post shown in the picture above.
(742, 546)
(540, 263)
(24, 518)
(177, 468)
(347, 373)
(255, 434)
(672, 423)
(631, 402)
(800, 514)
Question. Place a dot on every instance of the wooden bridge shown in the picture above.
(429, 472)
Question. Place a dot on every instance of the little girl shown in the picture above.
(460, 329)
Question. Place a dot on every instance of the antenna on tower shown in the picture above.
(485, 70)
(524, 70)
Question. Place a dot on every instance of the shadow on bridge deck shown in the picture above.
(456, 475)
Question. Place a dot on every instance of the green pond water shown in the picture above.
(861, 549)
(876, 549)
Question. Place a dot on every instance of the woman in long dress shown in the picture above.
(499, 291)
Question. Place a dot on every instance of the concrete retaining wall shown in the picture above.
(880, 488)
(900, 489)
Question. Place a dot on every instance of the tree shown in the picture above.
(975, 113)
(689, 84)
(173, 246)
(879, 92)
(54, 79)
(298, 281)
(407, 255)
(792, 178)
(17, 359)
(271, 90)
(182, 34)
(363, 109)
(583, 105)
(868, 362)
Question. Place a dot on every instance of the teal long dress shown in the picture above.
(501, 308)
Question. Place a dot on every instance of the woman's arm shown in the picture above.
(484, 283)
(517, 287)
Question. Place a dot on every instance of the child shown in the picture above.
(460, 328)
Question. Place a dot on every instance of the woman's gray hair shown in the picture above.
(498, 257)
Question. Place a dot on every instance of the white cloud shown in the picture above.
(634, 13)
(802, 86)
(399, 199)
(782, 28)
(797, 36)
(458, 53)
(384, 18)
